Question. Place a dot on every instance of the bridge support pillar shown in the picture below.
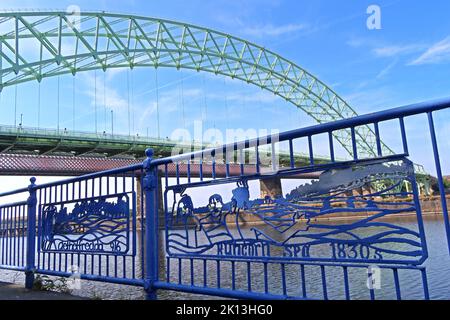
(271, 187)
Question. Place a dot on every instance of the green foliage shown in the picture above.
(446, 183)
(45, 283)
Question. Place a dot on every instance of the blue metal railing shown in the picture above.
(374, 119)
(107, 224)
(99, 265)
(13, 235)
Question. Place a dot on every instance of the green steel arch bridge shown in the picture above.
(106, 41)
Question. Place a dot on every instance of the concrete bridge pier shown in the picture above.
(268, 187)
(271, 187)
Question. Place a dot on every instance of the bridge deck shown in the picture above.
(20, 165)
(44, 142)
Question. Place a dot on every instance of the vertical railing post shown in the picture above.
(151, 226)
(31, 235)
(437, 161)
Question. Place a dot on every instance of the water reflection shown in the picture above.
(438, 267)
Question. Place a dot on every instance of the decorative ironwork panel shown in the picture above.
(100, 225)
(346, 216)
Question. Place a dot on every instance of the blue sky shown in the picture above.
(406, 61)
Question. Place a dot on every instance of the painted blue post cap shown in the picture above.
(149, 153)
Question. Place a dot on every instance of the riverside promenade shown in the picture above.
(17, 292)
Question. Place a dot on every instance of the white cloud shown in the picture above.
(272, 30)
(386, 70)
(386, 50)
(244, 95)
(113, 72)
(168, 102)
(357, 42)
(258, 97)
(371, 100)
(437, 53)
(105, 94)
(396, 50)
(168, 84)
(146, 113)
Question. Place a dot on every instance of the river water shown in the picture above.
(438, 271)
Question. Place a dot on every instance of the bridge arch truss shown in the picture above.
(39, 45)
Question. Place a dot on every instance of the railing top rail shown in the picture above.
(134, 167)
(14, 204)
(76, 179)
(385, 115)
(13, 192)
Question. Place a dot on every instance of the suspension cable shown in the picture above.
(244, 101)
(182, 101)
(15, 106)
(39, 86)
(157, 101)
(95, 101)
(226, 103)
(205, 104)
(300, 118)
(73, 103)
(128, 101)
(259, 113)
(295, 113)
(58, 97)
(39, 104)
(132, 103)
(104, 101)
